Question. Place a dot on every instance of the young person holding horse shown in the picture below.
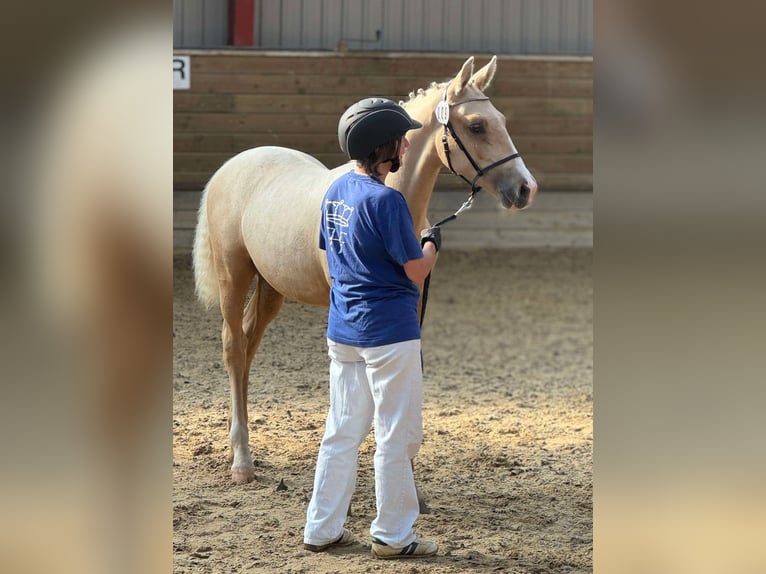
(375, 261)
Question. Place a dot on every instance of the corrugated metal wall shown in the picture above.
(200, 23)
(497, 26)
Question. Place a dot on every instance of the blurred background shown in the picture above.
(86, 287)
(87, 236)
(679, 277)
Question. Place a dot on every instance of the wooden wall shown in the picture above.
(244, 99)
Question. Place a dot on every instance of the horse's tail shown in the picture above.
(202, 255)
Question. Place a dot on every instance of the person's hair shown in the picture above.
(382, 153)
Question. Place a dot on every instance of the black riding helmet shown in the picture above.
(372, 122)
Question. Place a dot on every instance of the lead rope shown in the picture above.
(427, 282)
(424, 302)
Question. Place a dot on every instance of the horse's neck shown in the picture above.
(417, 177)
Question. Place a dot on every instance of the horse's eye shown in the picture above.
(477, 128)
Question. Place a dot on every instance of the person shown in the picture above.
(373, 335)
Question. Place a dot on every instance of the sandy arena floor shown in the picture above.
(507, 458)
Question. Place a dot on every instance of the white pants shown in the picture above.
(383, 385)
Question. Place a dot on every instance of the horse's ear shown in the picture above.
(461, 80)
(483, 78)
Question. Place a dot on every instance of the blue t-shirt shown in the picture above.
(367, 232)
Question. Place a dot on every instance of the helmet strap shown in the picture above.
(395, 161)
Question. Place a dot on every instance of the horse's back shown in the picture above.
(267, 202)
(258, 174)
(252, 169)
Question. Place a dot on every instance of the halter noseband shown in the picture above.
(442, 113)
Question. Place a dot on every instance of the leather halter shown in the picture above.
(442, 116)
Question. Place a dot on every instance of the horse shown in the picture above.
(259, 216)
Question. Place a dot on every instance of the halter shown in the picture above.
(442, 113)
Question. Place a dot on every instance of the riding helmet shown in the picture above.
(372, 122)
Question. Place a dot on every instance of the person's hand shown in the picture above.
(432, 234)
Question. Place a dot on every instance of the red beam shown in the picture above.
(241, 22)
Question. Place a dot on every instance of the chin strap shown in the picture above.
(395, 164)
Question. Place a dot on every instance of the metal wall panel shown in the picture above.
(585, 39)
(513, 26)
(496, 26)
(330, 14)
(452, 18)
(200, 23)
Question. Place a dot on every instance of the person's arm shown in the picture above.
(418, 269)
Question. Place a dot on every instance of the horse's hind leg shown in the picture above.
(234, 277)
(262, 309)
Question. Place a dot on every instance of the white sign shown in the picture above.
(181, 73)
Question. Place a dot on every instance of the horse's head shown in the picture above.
(478, 147)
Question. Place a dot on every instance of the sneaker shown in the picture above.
(345, 539)
(418, 549)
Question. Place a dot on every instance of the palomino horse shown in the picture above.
(260, 213)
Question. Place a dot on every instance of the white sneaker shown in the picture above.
(418, 549)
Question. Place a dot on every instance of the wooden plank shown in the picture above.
(184, 101)
(528, 219)
(209, 162)
(431, 67)
(564, 209)
(184, 219)
(190, 180)
(233, 142)
(474, 220)
(541, 87)
(517, 239)
(390, 86)
(310, 143)
(186, 200)
(316, 84)
(183, 239)
(546, 181)
(449, 201)
(550, 163)
(258, 122)
(564, 181)
(559, 163)
(302, 122)
(553, 144)
(574, 182)
(459, 238)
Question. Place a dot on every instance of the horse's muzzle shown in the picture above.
(522, 200)
(518, 198)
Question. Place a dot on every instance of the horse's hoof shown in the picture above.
(243, 475)
(424, 508)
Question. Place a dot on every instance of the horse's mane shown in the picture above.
(423, 92)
